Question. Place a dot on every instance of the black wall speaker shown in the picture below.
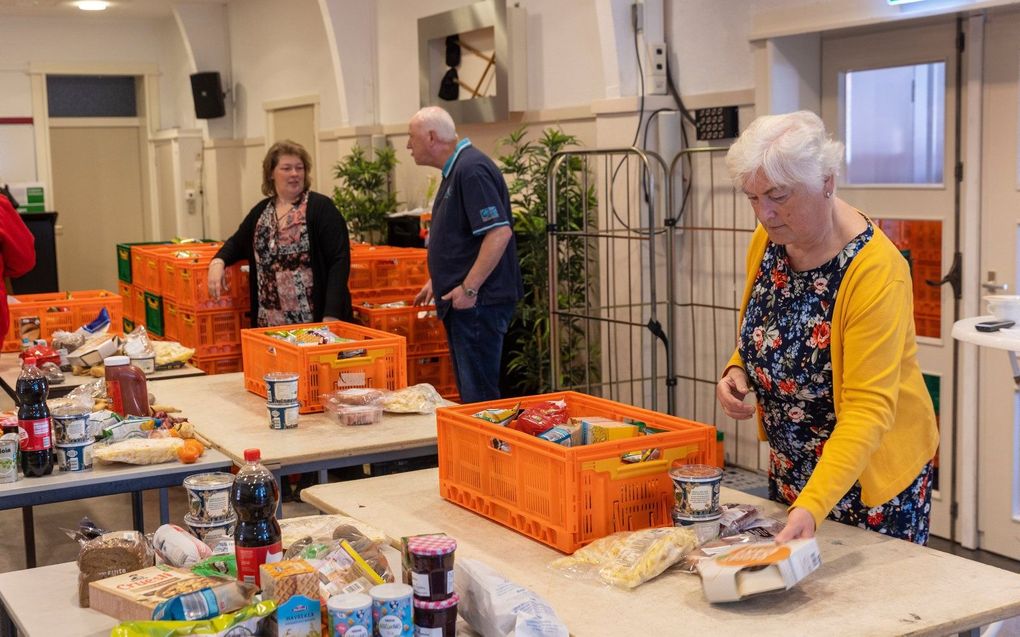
(208, 95)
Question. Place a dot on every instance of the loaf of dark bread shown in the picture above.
(108, 555)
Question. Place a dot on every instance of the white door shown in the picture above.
(998, 399)
(889, 96)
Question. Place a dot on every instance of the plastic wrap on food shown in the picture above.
(108, 555)
(626, 560)
(355, 414)
(354, 396)
(249, 620)
(416, 399)
(177, 547)
(493, 605)
(322, 528)
(139, 451)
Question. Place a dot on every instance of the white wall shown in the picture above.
(176, 106)
(279, 50)
(204, 35)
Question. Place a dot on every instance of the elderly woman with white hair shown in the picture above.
(826, 343)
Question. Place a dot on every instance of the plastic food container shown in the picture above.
(283, 416)
(705, 529)
(436, 618)
(281, 388)
(1005, 307)
(696, 487)
(145, 363)
(209, 496)
(356, 414)
(432, 566)
(350, 615)
(210, 531)
(70, 428)
(75, 456)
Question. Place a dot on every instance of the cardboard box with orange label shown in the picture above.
(758, 568)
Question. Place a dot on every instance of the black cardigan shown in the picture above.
(329, 248)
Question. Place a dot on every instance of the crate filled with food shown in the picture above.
(566, 468)
(326, 357)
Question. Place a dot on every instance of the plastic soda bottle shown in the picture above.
(34, 423)
(257, 538)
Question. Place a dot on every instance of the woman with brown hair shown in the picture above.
(297, 244)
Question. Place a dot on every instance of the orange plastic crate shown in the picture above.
(187, 279)
(210, 332)
(565, 497)
(70, 310)
(383, 267)
(372, 359)
(218, 364)
(434, 368)
(417, 323)
(127, 297)
(172, 322)
(146, 265)
(168, 260)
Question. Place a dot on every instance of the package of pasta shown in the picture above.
(627, 560)
(139, 451)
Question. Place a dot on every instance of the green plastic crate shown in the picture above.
(129, 326)
(154, 314)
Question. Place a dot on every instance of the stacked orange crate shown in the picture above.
(148, 278)
(39, 315)
(384, 275)
(212, 327)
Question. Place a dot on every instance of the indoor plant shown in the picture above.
(365, 195)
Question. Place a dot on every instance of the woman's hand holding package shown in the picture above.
(731, 390)
(217, 280)
(799, 525)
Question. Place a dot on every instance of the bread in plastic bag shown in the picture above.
(493, 605)
(416, 399)
(139, 451)
(322, 527)
(108, 555)
(626, 560)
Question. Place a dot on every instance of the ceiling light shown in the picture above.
(92, 5)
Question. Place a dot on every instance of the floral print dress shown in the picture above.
(283, 266)
(784, 344)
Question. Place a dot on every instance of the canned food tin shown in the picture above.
(350, 615)
(209, 496)
(392, 614)
(281, 387)
(76, 456)
(9, 458)
(283, 416)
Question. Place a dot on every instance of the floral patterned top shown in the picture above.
(784, 343)
(283, 266)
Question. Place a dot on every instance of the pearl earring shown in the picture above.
(828, 194)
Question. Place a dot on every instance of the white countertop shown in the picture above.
(964, 330)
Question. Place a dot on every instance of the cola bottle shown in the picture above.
(34, 423)
(257, 538)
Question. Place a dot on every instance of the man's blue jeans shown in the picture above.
(476, 347)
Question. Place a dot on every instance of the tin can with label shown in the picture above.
(9, 458)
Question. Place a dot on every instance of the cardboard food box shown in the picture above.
(294, 586)
(758, 568)
(133, 596)
(93, 351)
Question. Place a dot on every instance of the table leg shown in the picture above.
(973, 632)
(164, 506)
(279, 486)
(28, 524)
(323, 476)
(138, 511)
(7, 627)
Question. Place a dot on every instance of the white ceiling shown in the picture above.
(117, 8)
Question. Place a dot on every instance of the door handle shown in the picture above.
(952, 277)
(995, 287)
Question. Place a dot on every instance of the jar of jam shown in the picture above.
(436, 619)
(432, 566)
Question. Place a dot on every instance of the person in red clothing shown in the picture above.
(17, 254)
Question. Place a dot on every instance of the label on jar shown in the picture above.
(421, 631)
(37, 434)
(116, 396)
(250, 558)
(420, 582)
(354, 631)
(700, 498)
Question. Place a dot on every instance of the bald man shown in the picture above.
(476, 280)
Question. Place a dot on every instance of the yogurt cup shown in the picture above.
(281, 387)
(71, 428)
(705, 529)
(283, 416)
(210, 531)
(696, 487)
(209, 496)
(145, 363)
(75, 456)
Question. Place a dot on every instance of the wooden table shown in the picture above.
(44, 601)
(63, 486)
(233, 419)
(10, 369)
(868, 584)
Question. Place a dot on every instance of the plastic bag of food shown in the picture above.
(108, 555)
(756, 535)
(139, 451)
(170, 353)
(206, 603)
(541, 417)
(626, 560)
(321, 528)
(137, 344)
(177, 547)
(416, 399)
(493, 605)
(221, 565)
(500, 417)
(69, 341)
(247, 621)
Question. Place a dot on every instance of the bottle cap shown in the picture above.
(252, 455)
(29, 360)
(115, 361)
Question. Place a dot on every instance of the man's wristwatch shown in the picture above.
(469, 292)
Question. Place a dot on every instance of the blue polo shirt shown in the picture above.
(471, 200)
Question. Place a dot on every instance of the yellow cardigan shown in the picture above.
(885, 428)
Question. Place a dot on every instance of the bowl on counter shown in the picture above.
(1005, 307)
